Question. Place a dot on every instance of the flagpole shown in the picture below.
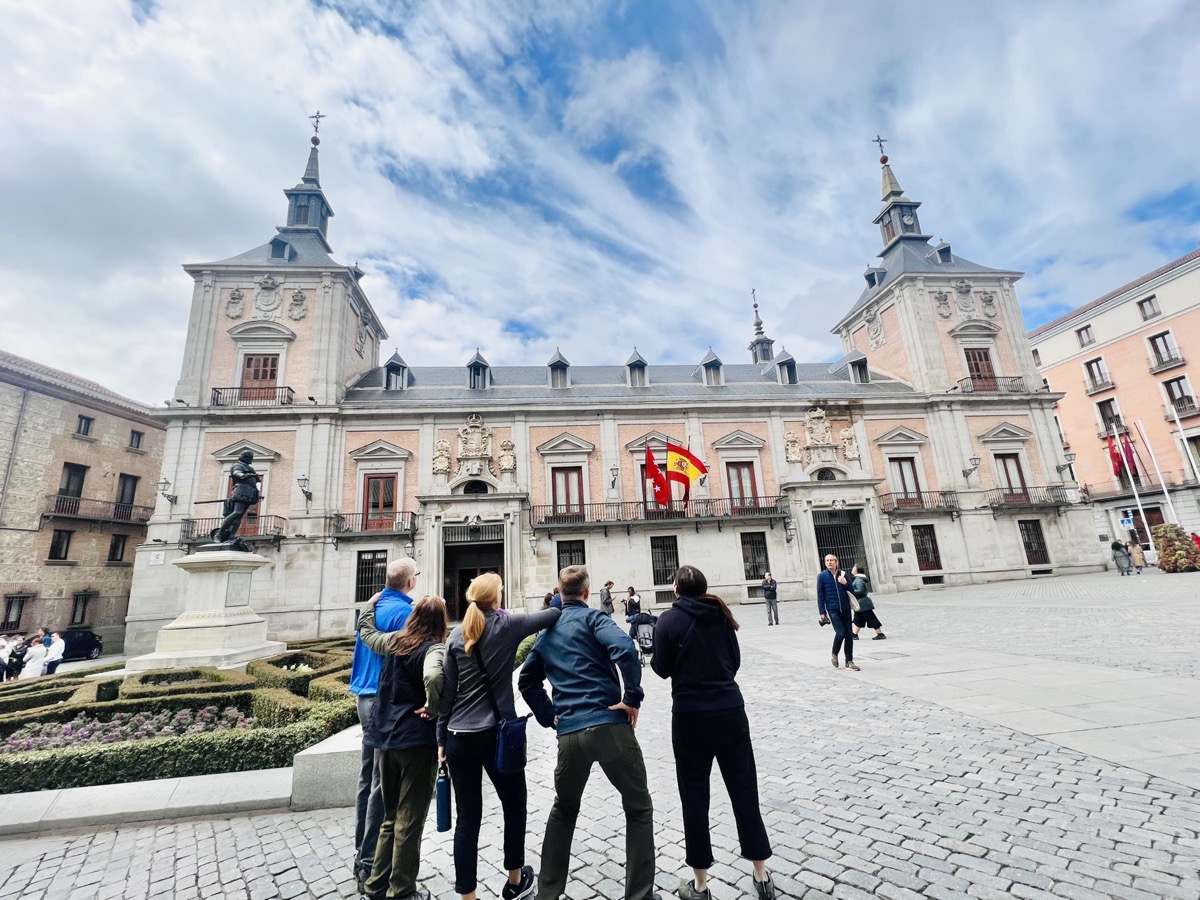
(1132, 480)
(1186, 452)
(1158, 471)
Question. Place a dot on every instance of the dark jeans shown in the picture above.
(698, 739)
(406, 782)
(841, 632)
(773, 611)
(368, 807)
(52, 667)
(470, 754)
(616, 750)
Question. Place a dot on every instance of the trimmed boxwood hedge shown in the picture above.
(12, 703)
(330, 687)
(161, 683)
(65, 712)
(273, 672)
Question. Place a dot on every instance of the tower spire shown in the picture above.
(761, 348)
(898, 218)
(308, 210)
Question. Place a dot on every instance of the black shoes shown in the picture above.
(880, 637)
(687, 891)
(523, 889)
(765, 889)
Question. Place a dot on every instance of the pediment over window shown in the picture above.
(656, 439)
(233, 451)
(1006, 431)
(739, 440)
(377, 451)
(565, 443)
(902, 435)
(975, 328)
(260, 331)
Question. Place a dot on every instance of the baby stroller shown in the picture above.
(643, 628)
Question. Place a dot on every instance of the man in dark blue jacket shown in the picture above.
(833, 604)
(581, 656)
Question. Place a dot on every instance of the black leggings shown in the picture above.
(470, 754)
(698, 739)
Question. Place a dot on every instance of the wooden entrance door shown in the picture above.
(260, 377)
(463, 563)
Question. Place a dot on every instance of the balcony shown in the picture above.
(349, 525)
(253, 396)
(64, 507)
(994, 384)
(1055, 496)
(1146, 482)
(1109, 428)
(260, 528)
(592, 515)
(919, 503)
(1183, 407)
(1097, 385)
(1169, 359)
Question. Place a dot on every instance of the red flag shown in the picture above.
(1114, 455)
(662, 490)
(1130, 459)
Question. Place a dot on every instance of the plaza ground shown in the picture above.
(1023, 739)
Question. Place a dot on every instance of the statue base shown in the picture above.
(217, 627)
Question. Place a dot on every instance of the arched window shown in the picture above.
(475, 487)
(826, 475)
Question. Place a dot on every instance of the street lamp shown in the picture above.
(615, 472)
(164, 486)
(302, 480)
(533, 542)
(897, 527)
(409, 549)
(974, 461)
(1070, 458)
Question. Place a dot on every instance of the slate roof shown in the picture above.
(65, 380)
(601, 384)
(309, 247)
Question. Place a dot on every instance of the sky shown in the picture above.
(589, 176)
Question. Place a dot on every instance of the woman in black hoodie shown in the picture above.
(696, 646)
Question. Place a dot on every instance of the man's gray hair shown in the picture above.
(400, 572)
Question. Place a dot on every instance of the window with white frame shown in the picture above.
(1010, 475)
(566, 489)
(1162, 346)
(1085, 335)
(1149, 308)
(903, 472)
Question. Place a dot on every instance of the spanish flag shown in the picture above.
(682, 466)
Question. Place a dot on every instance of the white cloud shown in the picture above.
(134, 144)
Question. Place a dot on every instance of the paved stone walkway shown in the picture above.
(867, 792)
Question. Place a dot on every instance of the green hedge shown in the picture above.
(177, 757)
(17, 702)
(343, 644)
(330, 687)
(273, 672)
(162, 682)
(171, 702)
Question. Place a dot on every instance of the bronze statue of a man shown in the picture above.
(244, 495)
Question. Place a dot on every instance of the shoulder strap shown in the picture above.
(487, 681)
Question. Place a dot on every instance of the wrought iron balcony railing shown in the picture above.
(1097, 385)
(270, 528)
(631, 511)
(993, 384)
(1056, 496)
(1107, 429)
(95, 510)
(919, 502)
(373, 523)
(1183, 407)
(1160, 362)
(253, 396)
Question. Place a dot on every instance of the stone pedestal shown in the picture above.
(217, 627)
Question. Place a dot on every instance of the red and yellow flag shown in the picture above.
(682, 466)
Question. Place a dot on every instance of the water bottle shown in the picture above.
(443, 798)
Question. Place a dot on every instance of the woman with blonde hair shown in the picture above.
(477, 691)
(402, 728)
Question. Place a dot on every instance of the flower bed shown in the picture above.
(123, 726)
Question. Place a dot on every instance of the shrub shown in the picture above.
(162, 682)
(330, 687)
(280, 671)
(1176, 550)
(16, 702)
(276, 707)
(89, 729)
(84, 696)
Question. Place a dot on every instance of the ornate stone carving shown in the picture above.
(962, 286)
(475, 447)
(268, 299)
(793, 449)
(816, 427)
(236, 304)
(943, 304)
(875, 328)
(849, 444)
(441, 457)
(508, 459)
(360, 338)
(298, 308)
(988, 299)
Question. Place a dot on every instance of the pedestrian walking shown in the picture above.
(34, 662)
(696, 646)
(633, 606)
(594, 718)
(476, 695)
(833, 604)
(403, 729)
(770, 591)
(606, 601)
(1121, 557)
(865, 616)
(1136, 555)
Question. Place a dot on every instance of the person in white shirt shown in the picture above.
(35, 661)
(54, 655)
(5, 648)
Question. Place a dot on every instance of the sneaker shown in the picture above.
(880, 637)
(523, 888)
(833, 659)
(419, 894)
(687, 891)
(765, 889)
(850, 665)
(854, 637)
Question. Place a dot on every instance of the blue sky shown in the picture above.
(583, 175)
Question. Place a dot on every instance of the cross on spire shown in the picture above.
(316, 120)
(880, 141)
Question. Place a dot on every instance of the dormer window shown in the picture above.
(785, 368)
(859, 373)
(397, 376)
(875, 277)
(280, 249)
(712, 375)
(560, 371)
(637, 375)
(479, 373)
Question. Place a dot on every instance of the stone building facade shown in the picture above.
(78, 468)
(1123, 365)
(524, 469)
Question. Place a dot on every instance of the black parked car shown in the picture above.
(81, 643)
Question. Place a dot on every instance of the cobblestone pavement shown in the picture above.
(866, 792)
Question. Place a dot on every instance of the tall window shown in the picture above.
(979, 367)
(116, 548)
(380, 502)
(370, 574)
(301, 213)
(754, 555)
(1180, 394)
(1110, 416)
(712, 375)
(14, 608)
(1086, 336)
(558, 377)
(637, 376)
(79, 608)
(1010, 476)
(1163, 348)
(1037, 357)
(664, 558)
(742, 490)
(71, 483)
(60, 544)
(1149, 308)
(83, 427)
(1034, 542)
(126, 491)
(478, 377)
(260, 376)
(570, 553)
(1096, 372)
(904, 477)
(647, 489)
(566, 489)
(135, 440)
(929, 557)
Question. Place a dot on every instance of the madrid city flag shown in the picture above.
(682, 466)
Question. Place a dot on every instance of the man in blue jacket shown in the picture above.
(391, 612)
(833, 604)
(581, 656)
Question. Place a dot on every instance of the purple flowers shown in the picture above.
(85, 729)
